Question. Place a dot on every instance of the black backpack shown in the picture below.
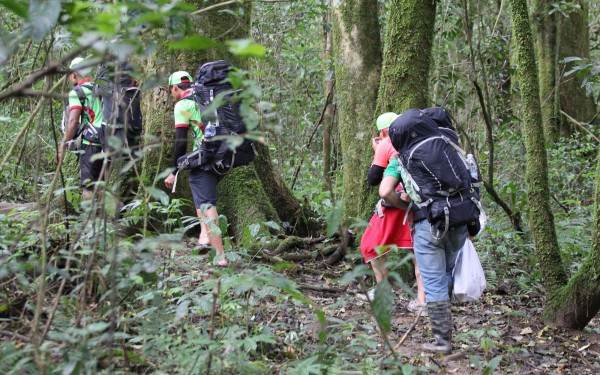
(435, 171)
(224, 146)
(121, 104)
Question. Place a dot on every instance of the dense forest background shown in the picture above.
(87, 289)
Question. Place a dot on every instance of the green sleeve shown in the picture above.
(186, 112)
(74, 100)
(392, 169)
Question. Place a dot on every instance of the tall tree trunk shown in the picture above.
(541, 219)
(559, 36)
(241, 196)
(574, 41)
(575, 304)
(357, 52)
(406, 55)
(328, 117)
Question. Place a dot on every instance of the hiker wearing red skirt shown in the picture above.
(389, 227)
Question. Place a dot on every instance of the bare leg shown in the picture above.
(203, 238)
(379, 268)
(420, 287)
(210, 217)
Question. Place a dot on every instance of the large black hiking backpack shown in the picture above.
(435, 171)
(224, 146)
(121, 104)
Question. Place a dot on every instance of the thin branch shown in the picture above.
(30, 80)
(215, 6)
(314, 131)
(28, 123)
(580, 125)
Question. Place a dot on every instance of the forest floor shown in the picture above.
(504, 331)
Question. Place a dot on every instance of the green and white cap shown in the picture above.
(78, 65)
(179, 77)
(385, 120)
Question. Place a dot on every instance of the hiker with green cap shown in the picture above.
(383, 148)
(85, 119)
(203, 183)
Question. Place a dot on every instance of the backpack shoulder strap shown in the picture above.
(80, 94)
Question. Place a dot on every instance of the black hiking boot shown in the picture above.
(441, 327)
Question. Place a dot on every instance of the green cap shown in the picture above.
(76, 66)
(385, 120)
(179, 77)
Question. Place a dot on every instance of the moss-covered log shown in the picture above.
(240, 194)
(406, 55)
(575, 304)
(357, 56)
(541, 219)
(558, 36)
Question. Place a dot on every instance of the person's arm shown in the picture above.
(375, 175)
(73, 123)
(387, 191)
(182, 122)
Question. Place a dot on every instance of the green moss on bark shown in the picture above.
(406, 55)
(541, 219)
(357, 55)
(559, 36)
(574, 305)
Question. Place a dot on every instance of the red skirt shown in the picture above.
(383, 232)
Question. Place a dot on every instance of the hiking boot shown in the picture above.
(414, 306)
(441, 327)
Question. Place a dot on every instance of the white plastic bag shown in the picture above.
(469, 279)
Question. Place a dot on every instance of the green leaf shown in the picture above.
(334, 219)
(160, 195)
(97, 327)
(43, 16)
(246, 48)
(17, 7)
(193, 43)
(382, 305)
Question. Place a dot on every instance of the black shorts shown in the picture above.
(204, 188)
(89, 171)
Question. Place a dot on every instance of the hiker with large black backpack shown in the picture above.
(84, 119)
(203, 182)
(445, 200)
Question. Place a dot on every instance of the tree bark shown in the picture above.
(357, 51)
(559, 36)
(241, 196)
(541, 219)
(575, 304)
(406, 56)
(574, 41)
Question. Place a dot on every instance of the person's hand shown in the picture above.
(60, 153)
(379, 208)
(375, 142)
(169, 181)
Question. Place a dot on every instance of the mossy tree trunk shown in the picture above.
(574, 41)
(357, 56)
(559, 36)
(574, 303)
(406, 55)
(541, 219)
(241, 196)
